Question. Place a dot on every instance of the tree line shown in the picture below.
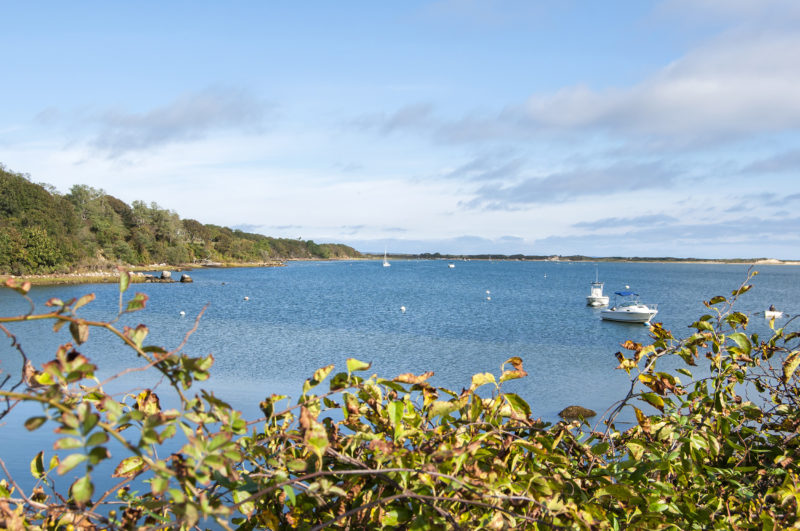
(44, 231)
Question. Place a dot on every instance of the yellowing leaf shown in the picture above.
(410, 378)
(482, 379)
(790, 365)
(37, 465)
(654, 400)
(83, 301)
(356, 365)
(34, 422)
(79, 331)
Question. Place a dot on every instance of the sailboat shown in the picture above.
(385, 261)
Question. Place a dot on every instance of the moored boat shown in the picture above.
(629, 309)
(596, 297)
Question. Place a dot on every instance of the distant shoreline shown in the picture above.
(137, 276)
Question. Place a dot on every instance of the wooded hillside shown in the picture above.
(43, 231)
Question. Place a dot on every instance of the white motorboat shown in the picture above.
(451, 265)
(596, 297)
(629, 309)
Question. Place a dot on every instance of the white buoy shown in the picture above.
(183, 313)
(488, 298)
(247, 298)
(488, 292)
(402, 309)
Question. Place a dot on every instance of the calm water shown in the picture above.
(310, 314)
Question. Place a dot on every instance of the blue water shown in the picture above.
(310, 314)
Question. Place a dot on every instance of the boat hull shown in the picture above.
(628, 315)
(592, 300)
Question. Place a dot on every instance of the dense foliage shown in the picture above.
(719, 451)
(42, 231)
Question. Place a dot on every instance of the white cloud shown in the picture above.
(743, 82)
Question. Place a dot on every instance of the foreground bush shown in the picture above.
(720, 450)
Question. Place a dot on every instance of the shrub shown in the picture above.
(359, 451)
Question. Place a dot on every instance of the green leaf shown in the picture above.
(98, 453)
(70, 462)
(517, 403)
(717, 299)
(159, 484)
(82, 489)
(703, 325)
(247, 507)
(136, 335)
(124, 280)
(34, 422)
(442, 408)
(618, 491)
(37, 465)
(396, 410)
(317, 439)
(600, 448)
(129, 467)
(137, 303)
(290, 494)
(356, 365)
(67, 443)
(742, 341)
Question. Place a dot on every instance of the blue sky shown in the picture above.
(621, 128)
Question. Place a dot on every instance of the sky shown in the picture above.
(620, 128)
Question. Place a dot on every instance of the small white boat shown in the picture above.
(772, 313)
(629, 309)
(596, 297)
(385, 261)
(451, 265)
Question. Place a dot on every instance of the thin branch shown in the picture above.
(29, 501)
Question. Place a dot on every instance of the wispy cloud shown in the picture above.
(487, 168)
(637, 221)
(568, 185)
(190, 117)
(725, 238)
(785, 162)
(410, 117)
